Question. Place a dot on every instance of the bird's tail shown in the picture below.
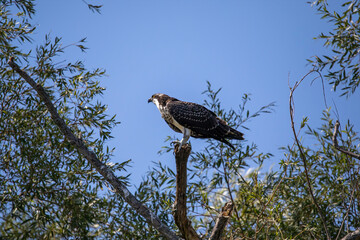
(235, 134)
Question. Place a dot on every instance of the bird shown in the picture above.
(195, 120)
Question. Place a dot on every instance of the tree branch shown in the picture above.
(353, 236)
(221, 221)
(119, 187)
(302, 155)
(335, 142)
(179, 208)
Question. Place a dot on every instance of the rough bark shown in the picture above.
(221, 221)
(107, 173)
(353, 236)
(179, 209)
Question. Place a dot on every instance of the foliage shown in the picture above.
(216, 174)
(48, 190)
(333, 179)
(93, 8)
(342, 66)
(268, 204)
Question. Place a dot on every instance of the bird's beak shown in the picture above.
(149, 100)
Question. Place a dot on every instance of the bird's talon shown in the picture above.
(176, 142)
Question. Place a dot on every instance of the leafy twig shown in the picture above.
(335, 142)
(347, 212)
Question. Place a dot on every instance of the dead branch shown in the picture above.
(221, 221)
(302, 155)
(78, 143)
(353, 236)
(335, 142)
(179, 208)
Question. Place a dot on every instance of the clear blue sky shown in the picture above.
(174, 47)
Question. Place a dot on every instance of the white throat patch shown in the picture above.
(156, 102)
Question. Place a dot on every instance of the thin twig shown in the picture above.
(347, 213)
(229, 190)
(232, 199)
(107, 173)
(273, 193)
(267, 203)
(323, 85)
(303, 157)
(335, 143)
(351, 154)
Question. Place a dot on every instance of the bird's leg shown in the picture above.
(185, 138)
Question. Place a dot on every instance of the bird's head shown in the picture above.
(155, 96)
(160, 99)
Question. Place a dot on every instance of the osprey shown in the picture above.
(193, 120)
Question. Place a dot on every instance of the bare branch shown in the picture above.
(119, 187)
(353, 236)
(302, 155)
(335, 142)
(179, 209)
(221, 221)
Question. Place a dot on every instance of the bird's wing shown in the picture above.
(193, 116)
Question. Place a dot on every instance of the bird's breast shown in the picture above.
(177, 127)
(176, 124)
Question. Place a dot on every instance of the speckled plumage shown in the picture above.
(201, 122)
